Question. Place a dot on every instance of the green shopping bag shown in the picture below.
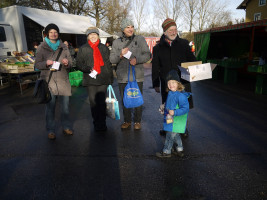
(76, 78)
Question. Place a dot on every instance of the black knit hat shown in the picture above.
(173, 75)
(51, 26)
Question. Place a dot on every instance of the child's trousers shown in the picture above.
(170, 139)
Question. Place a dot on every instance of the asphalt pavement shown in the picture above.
(225, 153)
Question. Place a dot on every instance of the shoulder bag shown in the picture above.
(41, 92)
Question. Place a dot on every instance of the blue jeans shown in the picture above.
(50, 113)
(170, 139)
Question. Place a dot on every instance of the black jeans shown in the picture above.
(97, 99)
(127, 112)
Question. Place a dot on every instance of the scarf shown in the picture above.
(52, 45)
(98, 60)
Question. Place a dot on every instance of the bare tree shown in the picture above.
(212, 12)
(97, 10)
(190, 12)
(167, 9)
(163, 9)
(204, 10)
(116, 10)
(139, 13)
(222, 18)
(77, 7)
(6, 3)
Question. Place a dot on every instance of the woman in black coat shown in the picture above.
(93, 60)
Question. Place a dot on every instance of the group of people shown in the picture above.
(95, 60)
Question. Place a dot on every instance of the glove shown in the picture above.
(161, 108)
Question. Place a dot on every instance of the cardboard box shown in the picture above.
(195, 71)
(187, 64)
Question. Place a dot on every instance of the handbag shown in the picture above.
(112, 104)
(41, 92)
(132, 96)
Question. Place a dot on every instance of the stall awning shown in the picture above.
(67, 23)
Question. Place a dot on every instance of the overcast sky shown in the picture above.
(237, 13)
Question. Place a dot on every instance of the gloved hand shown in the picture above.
(161, 108)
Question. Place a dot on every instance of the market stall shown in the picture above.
(233, 47)
(21, 66)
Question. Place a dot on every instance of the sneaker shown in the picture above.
(126, 125)
(163, 155)
(68, 131)
(178, 153)
(137, 126)
(51, 136)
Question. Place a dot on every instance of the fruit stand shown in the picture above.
(19, 65)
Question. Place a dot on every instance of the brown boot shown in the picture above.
(137, 126)
(68, 132)
(126, 125)
(51, 136)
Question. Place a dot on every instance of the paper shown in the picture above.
(93, 74)
(56, 65)
(128, 55)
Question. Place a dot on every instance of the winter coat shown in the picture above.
(59, 83)
(178, 102)
(167, 57)
(85, 63)
(140, 51)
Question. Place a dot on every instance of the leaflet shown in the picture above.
(128, 55)
(55, 65)
(93, 74)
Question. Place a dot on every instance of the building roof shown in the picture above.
(243, 5)
(236, 26)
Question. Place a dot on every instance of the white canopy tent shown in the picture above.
(67, 23)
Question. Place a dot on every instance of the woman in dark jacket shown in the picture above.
(93, 60)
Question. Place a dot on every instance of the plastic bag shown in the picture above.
(112, 104)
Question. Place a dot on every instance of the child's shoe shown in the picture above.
(178, 153)
(163, 155)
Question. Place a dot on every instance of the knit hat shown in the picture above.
(167, 24)
(173, 75)
(92, 30)
(49, 27)
(126, 22)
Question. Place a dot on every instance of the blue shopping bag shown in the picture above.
(112, 104)
(132, 96)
